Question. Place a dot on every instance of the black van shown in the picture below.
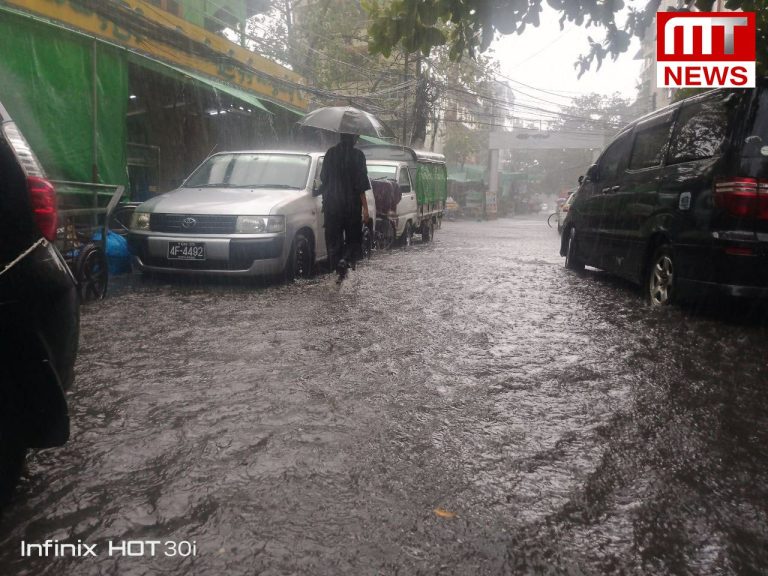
(39, 310)
(678, 202)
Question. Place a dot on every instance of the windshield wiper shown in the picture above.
(281, 186)
(217, 185)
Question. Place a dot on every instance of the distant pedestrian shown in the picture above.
(344, 180)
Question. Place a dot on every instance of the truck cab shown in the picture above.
(406, 210)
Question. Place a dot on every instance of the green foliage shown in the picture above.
(326, 42)
(463, 144)
(467, 27)
(595, 112)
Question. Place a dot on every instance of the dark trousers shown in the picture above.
(343, 237)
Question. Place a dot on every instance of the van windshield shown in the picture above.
(756, 143)
(248, 170)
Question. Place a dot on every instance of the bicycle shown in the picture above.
(549, 219)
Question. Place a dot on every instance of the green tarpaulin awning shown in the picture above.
(374, 140)
(182, 74)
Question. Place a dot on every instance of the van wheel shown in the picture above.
(12, 457)
(300, 259)
(572, 260)
(385, 234)
(661, 277)
(407, 238)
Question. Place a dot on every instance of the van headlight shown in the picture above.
(140, 221)
(260, 224)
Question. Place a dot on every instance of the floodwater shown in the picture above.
(462, 407)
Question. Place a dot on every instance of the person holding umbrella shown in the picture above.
(344, 178)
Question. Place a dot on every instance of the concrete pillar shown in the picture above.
(492, 194)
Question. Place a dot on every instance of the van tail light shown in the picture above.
(742, 197)
(762, 199)
(42, 196)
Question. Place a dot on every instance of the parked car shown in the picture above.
(239, 214)
(678, 202)
(562, 210)
(39, 310)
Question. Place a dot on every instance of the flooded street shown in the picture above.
(461, 407)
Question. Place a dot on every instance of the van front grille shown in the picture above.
(192, 223)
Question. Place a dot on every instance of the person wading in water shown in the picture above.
(344, 178)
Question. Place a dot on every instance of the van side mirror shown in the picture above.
(316, 183)
(581, 179)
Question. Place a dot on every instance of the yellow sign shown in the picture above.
(225, 60)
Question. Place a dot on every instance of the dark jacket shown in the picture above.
(344, 178)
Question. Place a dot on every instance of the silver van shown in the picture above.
(243, 213)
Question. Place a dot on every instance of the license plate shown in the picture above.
(186, 251)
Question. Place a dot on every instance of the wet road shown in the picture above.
(467, 407)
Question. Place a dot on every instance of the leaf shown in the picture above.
(532, 18)
(457, 50)
(444, 513)
(487, 38)
(428, 13)
(619, 41)
(433, 37)
(505, 21)
(599, 56)
(370, 6)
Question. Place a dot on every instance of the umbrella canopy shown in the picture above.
(346, 120)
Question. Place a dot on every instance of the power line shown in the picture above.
(503, 104)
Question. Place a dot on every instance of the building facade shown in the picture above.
(649, 96)
(138, 92)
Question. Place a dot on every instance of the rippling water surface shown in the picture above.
(555, 422)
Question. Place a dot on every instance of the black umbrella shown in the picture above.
(346, 120)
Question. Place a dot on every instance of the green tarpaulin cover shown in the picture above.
(46, 83)
(431, 183)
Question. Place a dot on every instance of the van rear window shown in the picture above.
(757, 138)
(700, 132)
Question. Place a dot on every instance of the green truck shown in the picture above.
(422, 187)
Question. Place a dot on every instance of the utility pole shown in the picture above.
(419, 133)
(405, 102)
(435, 125)
(289, 29)
(493, 161)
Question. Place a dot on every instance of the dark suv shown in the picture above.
(678, 202)
(39, 310)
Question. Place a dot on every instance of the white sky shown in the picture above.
(543, 57)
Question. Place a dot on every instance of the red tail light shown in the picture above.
(743, 197)
(42, 195)
(762, 199)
